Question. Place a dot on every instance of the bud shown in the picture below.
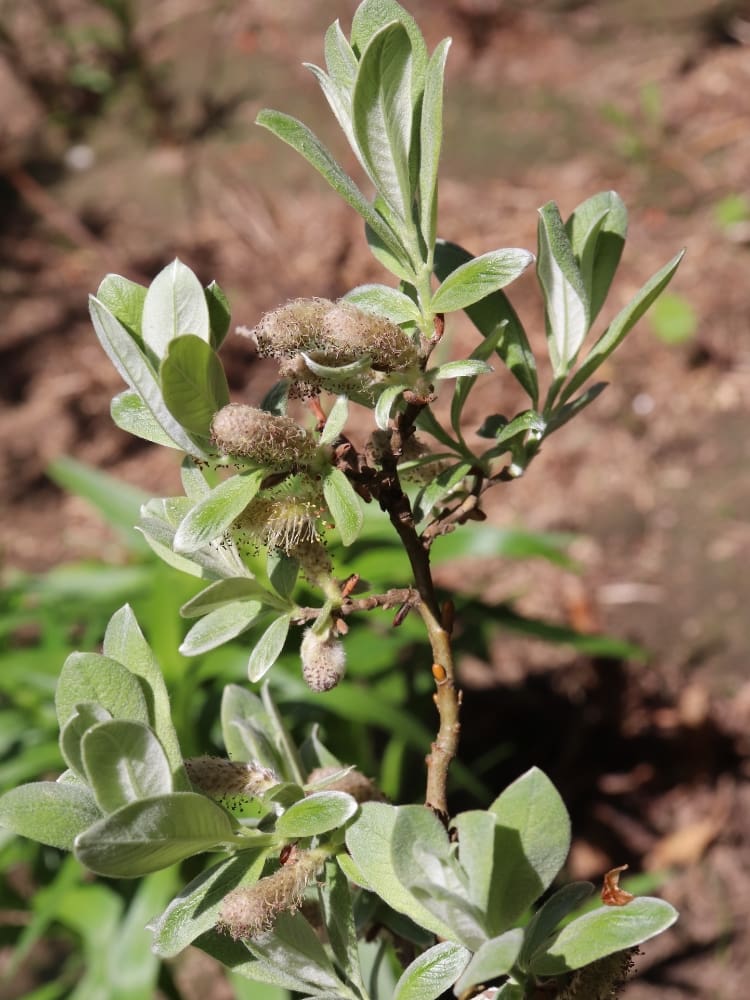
(354, 783)
(219, 777)
(413, 448)
(271, 441)
(314, 561)
(333, 334)
(250, 910)
(323, 660)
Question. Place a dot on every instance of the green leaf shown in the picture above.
(430, 141)
(246, 729)
(175, 304)
(493, 959)
(562, 414)
(292, 948)
(597, 229)
(210, 518)
(136, 370)
(480, 277)
(336, 903)
(49, 812)
(196, 909)
(544, 922)
(603, 932)
(219, 314)
(124, 642)
(385, 404)
(344, 505)
(432, 973)
(336, 372)
(299, 137)
(87, 677)
(336, 421)
(565, 296)
(150, 834)
(282, 571)
(396, 263)
(276, 399)
(382, 116)
(622, 324)
(532, 839)
(369, 840)
(373, 15)
(222, 592)
(267, 649)
(131, 414)
(490, 314)
(458, 369)
(341, 61)
(85, 715)
(220, 626)
(124, 761)
(476, 830)
(522, 423)
(124, 299)
(382, 300)
(317, 813)
(193, 383)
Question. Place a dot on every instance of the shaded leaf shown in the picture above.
(193, 383)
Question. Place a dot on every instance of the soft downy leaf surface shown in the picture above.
(382, 300)
(193, 383)
(49, 812)
(336, 421)
(597, 229)
(149, 834)
(89, 677)
(344, 505)
(124, 761)
(219, 314)
(215, 514)
(430, 141)
(566, 299)
(532, 839)
(369, 841)
(175, 304)
(476, 830)
(130, 413)
(196, 908)
(268, 648)
(124, 641)
(315, 814)
(292, 947)
(220, 626)
(246, 729)
(493, 959)
(479, 277)
(336, 903)
(544, 922)
(603, 932)
(432, 972)
(222, 592)
(85, 715)
(124, 299)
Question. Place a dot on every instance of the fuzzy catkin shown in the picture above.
(269, 440)
(219, 777)
(323, 660)
(354, 783)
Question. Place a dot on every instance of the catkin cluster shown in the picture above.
(333, 334)
(269, 440)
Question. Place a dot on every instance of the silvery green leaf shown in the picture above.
(382, 116)
(136, 370)
(433, 972)
(336, 421)
(90, 677)
(565, 296)
(124, 761)
(124, 642)
(293, 949)
(282, 572)
(175, 304)
(597, 230)
(493, 959)
(344, 505)
(622, 324)
(193, 383)
(524, 422)
(492, 313)
(336, 904)
(49, 812)
(219, 626)
(211, 517)
(603, 932)
(85, 715)
(382, 300)
(150, 834)
(338, 372)
(544, 922)
(341, 61)
(124, 299)
(315, 814)
(246, 729)
(219, 314)
(223, 592)
(193, 480)
(431, 138)
(480, 277)
(395, 263)
(267, 649)
(457, 369)
(373, 15)
(131, 414)
(299, 137)
(476, 831)
(385, 404)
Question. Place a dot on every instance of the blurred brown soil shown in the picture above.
(652, 479)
